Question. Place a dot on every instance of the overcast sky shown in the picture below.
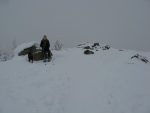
(120, 23)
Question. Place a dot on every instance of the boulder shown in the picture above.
(35, 50)
(27, 50)
(88, 52)
(87, 47)
(95, 44)
(37, 56)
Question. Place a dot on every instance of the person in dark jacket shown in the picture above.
(45, 45)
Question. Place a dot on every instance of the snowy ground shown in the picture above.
(106, 82)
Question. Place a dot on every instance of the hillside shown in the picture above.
(108, 81)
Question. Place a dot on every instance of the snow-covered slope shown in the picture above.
(105, 82)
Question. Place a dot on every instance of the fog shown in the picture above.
(123, 24)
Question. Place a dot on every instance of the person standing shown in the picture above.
(45, 45)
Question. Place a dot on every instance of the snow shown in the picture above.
(106, 82)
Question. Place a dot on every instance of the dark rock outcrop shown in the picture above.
(140, 57)
(36, 52)
(27, 50)
(88, 52)
(107, 47)
(87, 47)
(38, 56)
(95, 44)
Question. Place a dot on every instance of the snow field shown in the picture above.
(106, 82)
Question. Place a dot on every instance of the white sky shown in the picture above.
(120, 23)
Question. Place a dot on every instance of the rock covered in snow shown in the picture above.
(95, 44)
(106, 47)
(32, 47)
(91, 48)
(140, 57)
(27, 50)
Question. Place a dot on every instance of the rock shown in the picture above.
(35, 50)
(37, 56)
(135, 56)
(88, 52)
(140, 57)
(27, 50)
(95, 44)
(87, 47)
(107, 47)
